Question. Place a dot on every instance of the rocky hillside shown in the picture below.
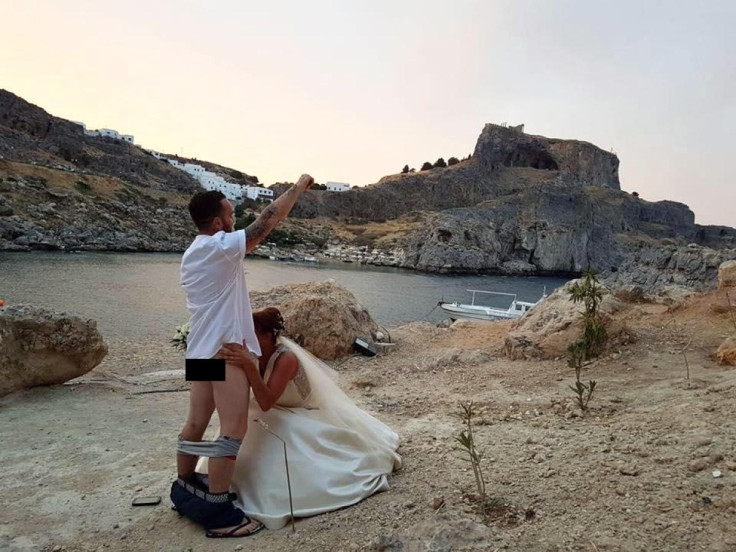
(61, 189)
(532, 205)
(521, 204)
(505, 161)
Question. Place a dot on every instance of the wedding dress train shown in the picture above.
(337, 453)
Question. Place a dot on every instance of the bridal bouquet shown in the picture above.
(180, 337)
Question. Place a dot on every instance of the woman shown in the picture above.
(337, 454)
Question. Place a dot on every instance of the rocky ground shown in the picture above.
(650, 467)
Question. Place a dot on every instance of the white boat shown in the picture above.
(458, 311)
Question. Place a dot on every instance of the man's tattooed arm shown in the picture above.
(277, 211)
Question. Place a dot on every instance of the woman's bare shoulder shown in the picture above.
(287, 361)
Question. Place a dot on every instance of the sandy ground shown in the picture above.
(634, 473)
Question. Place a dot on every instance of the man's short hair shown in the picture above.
(205, 206)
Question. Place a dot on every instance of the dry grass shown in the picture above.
(103, 187)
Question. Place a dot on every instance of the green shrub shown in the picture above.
(594, 335)
(83, 187)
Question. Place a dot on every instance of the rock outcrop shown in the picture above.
(532, 205)
(521, 204)
(52, 213)
(323, 316)
(505, 161)
(62, 189)
(30, 135)
(726, 353)
(42, 347)
(655, 268)
(548, 329)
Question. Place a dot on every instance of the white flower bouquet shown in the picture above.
(180, 337)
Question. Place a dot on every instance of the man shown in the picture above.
(213, 278)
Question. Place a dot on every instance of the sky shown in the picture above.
(351, 91)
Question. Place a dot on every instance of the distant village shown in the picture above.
(209, 180)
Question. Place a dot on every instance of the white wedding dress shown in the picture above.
(337, 453)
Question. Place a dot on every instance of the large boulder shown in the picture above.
(325, 317)
(42, 347)
(547, 329)
(727, 276)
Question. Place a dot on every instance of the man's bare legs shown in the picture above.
(231, 401)
(201, 407)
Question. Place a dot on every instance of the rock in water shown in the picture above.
(42, 347)
(324, 315)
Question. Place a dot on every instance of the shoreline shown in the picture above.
(323, 261)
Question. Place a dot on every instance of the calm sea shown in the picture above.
(137, 296)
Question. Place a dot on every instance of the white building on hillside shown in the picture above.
(197, 171)
(212, 181)
(234, 192)
(107, 133)
(208, 179)
(337, 187)
(258, 193)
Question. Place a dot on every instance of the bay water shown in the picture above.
(136, 296)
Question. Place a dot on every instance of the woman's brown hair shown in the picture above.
(269, 320)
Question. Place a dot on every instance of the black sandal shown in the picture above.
(231, 534)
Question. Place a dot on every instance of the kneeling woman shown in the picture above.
(338, 454)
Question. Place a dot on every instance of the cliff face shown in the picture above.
(556, 229)
(529, 205)
(505, 161)
(521, 204)
(581, 162)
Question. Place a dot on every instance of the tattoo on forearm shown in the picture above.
(262, 226)
(259, 228)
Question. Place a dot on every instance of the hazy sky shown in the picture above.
(352, 90)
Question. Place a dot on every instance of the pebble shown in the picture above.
(437, 502)
(717, 474)
(699, 464)
(239, 547)
(629, 470)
